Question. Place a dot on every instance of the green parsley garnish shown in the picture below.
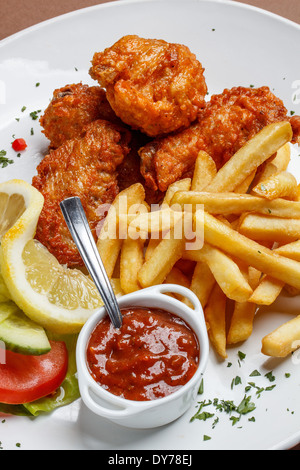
(236, 381)
(34, 114)
(255, 373)
(241, 355)
(4, 161)
(201, 388)
(270, 376)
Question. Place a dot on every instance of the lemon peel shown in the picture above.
(56, 297)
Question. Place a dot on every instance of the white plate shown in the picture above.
(238, 45)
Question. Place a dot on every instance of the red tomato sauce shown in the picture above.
(152, 355)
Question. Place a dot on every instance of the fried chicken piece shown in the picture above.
(83, 167)
(152, 85)
(228, 121)
(71, 109)
(129, 171)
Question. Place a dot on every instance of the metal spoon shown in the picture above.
(77, 223)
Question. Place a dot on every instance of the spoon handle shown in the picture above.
(78, 226)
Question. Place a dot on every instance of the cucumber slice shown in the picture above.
(22, 335)
(7, 309)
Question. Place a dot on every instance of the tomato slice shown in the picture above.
(25, 378)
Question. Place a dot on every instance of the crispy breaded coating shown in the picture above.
(73, 107)
(228, 121)
(83, 167)
(152, 85)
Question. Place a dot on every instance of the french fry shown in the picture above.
(109, 243)
(131, 261)
(256, 151)
(202, 283)
(267, 291)
(153, 242)
(277, 163)
(292, 291)
(205, 170)
(243, 187)
(226, 273)
(283, 185)
(256, 255)
(241, 324)
(175, 276)
(290, 250)
(230, 203)
(274, 229)
(165, 255)
(154, 223)
(215, 315)
(180, 185)
(283, 340)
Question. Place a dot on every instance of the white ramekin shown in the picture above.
(145, 414)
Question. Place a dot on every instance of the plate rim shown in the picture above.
(117, 3)
(295, 438)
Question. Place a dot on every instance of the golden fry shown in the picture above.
(241, 324)
(205, 170)
(273, 229)
(232, 203)
(180, 185)
(168, 251)
(109, 243)
(290, 250)
(256, 151)
(267, 291)
(176, 276)
(282, 185)
(202, 283)
(277, 163)
(215, 315)
(243, 187)
(283, 340)
(226, 273)
(155, 222)
(131, 261)
(256, 255)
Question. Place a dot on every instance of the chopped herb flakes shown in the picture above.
(4, 161)
(236, 381)
(34, 114)
(207, 410)
(255, 373)
(226, 406)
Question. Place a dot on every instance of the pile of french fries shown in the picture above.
(245, 221)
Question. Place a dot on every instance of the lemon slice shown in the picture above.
(57, 298)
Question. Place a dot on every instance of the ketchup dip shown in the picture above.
(152, 355)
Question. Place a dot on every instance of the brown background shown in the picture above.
(19, 14)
